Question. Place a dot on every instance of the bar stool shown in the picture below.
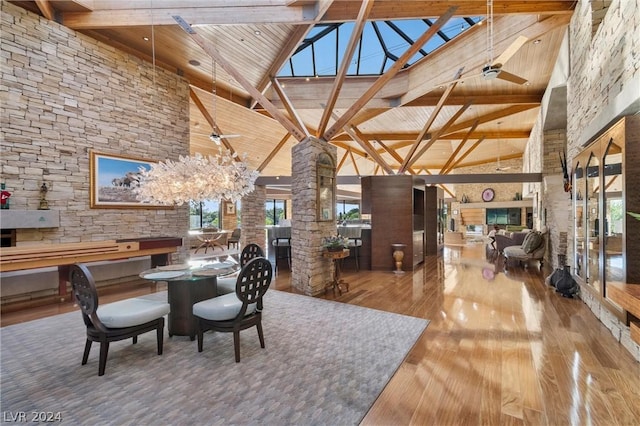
(354, 234)
(281, 241)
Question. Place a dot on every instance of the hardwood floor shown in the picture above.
(500, 348)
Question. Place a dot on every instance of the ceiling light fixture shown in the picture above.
(196, 178)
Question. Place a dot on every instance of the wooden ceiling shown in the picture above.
(376, 122)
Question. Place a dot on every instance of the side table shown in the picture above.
(337, 282)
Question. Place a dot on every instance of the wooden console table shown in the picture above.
(336, 257)
(66, 254)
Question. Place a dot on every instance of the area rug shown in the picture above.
(324, 363)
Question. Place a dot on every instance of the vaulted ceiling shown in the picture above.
(431, 117)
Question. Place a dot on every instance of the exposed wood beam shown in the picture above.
(266, 104)
(366, 145)
(290, 47)
(458, 148)
(409, 137)
(342, 10)
(505, 112)
(350, 148)
(205, 113)
(479, 99)
(356, 32)
(290, 109)
(440, 131)
(355, 165)
(231, 14)
(367, 114)
(273, 152)
(393, 70)
(45, 8)
(301, 12)
(342, 160)
(467, 152)
(429, 122)
(283, 56)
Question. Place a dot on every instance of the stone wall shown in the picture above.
(65, 94)
(603, 66)
(253, 218)
(310, 272)
(503, 191)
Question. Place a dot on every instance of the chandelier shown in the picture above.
(196, 178)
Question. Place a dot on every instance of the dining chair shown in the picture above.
(234, 238)
(237, 311)
(227, 284)
(114, 321)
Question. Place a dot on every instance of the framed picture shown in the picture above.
(231, 208)
(112, 178)
(326, 197)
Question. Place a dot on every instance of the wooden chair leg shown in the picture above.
(87, 349)
(135, 339)
(160, 335)
(199, 333)
(102, 364)
(260, 334)
(236, 344)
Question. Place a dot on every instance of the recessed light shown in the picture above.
(306, 79)
(537, 41)
(145, 38)
(257, 32)
(194, 63)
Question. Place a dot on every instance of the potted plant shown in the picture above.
(335, 243)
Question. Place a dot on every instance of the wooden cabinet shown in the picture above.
(397, 208)
(606, 185)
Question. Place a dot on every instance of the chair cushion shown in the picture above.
(532, 241)
(515, 252)
(131, 312)
(221, 308)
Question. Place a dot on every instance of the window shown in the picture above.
(275, 210)
(205, 214)
(348, 210)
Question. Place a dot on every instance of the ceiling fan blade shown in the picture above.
(511, 77)
(510, 51)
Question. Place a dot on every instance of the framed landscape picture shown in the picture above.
(112, 179)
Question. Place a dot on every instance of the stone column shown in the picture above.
(253, 218)
(310, 272)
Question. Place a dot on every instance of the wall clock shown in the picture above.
(488, 194)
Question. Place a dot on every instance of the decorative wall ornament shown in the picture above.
(196, 178)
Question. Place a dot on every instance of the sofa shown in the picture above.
(509, 239)
(533, 247)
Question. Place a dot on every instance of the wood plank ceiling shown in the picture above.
(380, 120)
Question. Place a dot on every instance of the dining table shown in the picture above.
(187, 284)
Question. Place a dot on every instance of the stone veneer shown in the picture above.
(310, 272)
(65, 94)
(603, 65)
(253, 218)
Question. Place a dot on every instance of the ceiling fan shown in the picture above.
(493, 68)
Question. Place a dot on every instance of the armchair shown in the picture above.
(533, 247)
(509, 239)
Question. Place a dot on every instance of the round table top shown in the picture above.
(194, 270)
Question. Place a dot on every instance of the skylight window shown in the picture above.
(380, 45)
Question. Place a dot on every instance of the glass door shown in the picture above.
(614, 214)
(593, 222)
(578, 217)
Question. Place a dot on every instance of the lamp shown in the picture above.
(196, 178)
